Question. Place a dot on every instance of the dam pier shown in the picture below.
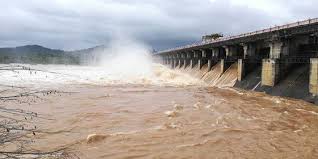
(280, 60)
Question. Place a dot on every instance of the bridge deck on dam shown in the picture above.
(300, 27)
(281, 60)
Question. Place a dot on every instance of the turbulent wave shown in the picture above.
(53, 75)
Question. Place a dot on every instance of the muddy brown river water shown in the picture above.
(167, 121)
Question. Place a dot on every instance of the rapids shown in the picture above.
(158, 113)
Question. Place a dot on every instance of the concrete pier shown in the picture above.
(186, 63)
(191, 63)
(270, 72)
(201, 60)
(230, 51)
(245, 66)
(215, 52)
(174, 63)
(195, 59)
(181, 63)
(241, 69)
(200, 64)
(249, 50)
(313, 80)
(277, 49)
(224, 65)
(209, 64)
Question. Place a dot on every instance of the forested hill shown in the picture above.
(35, 54)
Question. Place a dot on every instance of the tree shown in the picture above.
(214, 36)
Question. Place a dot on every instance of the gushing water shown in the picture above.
(128, 107)
(58, 76)
(124, 62)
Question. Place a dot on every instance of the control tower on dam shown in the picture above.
(280, 60)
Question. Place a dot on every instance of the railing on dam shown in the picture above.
(268, 30)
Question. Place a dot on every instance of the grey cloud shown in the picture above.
(72, 24)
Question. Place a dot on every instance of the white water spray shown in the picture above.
(127, 59)
(124, 62)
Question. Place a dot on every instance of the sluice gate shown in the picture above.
(281, 60)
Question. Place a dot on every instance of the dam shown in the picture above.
(280, 60)
(131, 107)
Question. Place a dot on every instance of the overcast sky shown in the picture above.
(75, 24)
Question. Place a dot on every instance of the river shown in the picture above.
(159, 113)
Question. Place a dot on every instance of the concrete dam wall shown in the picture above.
(213, 77)
(295, 85)
(281, 61)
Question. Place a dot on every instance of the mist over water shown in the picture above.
(127, 58)
(123, 62)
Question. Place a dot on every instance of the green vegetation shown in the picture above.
(34, 54)
(214, 36)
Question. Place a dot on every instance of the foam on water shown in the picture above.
(55, 75)
(116, 65)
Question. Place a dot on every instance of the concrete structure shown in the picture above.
(278, 50)
(241, 69)
(313, 80)
(270, 72)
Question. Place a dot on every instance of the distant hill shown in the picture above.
(35, 54)
(89, 56)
